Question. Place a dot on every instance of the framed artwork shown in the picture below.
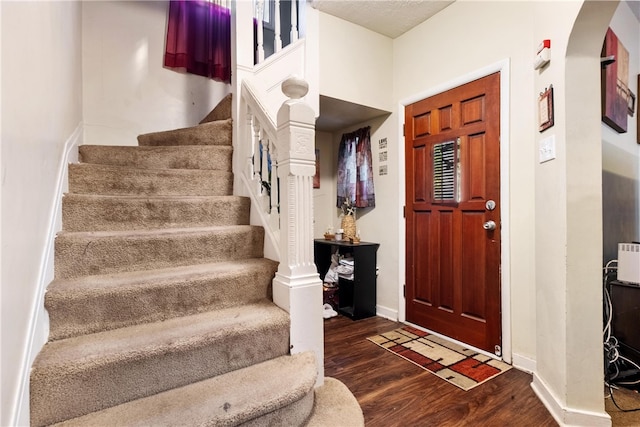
(631, 102)
(545, 109)
(615, 84)
(316, 177)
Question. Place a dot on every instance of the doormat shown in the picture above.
(462, 367)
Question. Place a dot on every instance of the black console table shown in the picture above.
(357, 297)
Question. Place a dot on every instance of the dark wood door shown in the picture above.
(452, 145)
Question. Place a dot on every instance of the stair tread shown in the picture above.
(217, 132)
(90, 304)
(155, 278)
(134, 234)
(229, 399)
(75, 167)
(158, 148)
(209, 157)
(130, 342)
(186, 198)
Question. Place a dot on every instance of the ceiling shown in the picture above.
(391, 18)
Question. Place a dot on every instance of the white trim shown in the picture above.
(387, 313)
(567, 416)
(38, 327)
(524, 363)
(503, 67)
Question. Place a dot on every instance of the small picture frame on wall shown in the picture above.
(631, 102)
(638, 119)
(545, 109)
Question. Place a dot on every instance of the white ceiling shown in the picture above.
(391, 18)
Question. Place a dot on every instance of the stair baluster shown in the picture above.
(294, 21)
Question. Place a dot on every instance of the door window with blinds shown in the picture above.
(446, 172)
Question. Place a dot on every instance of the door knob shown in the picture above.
(489, 225)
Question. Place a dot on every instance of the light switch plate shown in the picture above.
(547, 148)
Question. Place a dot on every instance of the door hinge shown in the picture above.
(403, 126)
(404, 291)
(404, 212)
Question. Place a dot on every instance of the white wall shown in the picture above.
(41, 111)
(127, 91)
(355, 63)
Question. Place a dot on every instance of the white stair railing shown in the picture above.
(263, 7)
(261, 171)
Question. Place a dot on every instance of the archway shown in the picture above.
(570, 378)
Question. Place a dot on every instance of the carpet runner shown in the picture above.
(460, 366)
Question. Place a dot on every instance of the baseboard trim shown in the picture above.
(38, 328)
(387, 313)
(567, 416)
(523, 363)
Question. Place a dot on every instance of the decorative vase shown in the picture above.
(349, 226)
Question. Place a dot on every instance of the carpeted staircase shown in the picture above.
(160, 311)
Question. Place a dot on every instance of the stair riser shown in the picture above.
(100, 384)
(212, 133)
(183, 157)
(94, 310)
(90, 255)
(113, 214)
(92, 179)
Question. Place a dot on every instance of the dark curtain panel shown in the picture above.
(355, 170)
(199, 39)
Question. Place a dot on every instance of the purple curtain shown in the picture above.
(355, 170)
(199, 39)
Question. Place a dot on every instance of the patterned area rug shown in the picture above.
(460, 366)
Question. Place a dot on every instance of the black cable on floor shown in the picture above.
(616, 404)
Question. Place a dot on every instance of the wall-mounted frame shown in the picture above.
(631, 102)
(615, 84)
(545, 109)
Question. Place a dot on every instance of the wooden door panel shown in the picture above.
(421, 125)
(473, 270)
(472, 110)
(452, 166)
(445, 278)
(476, 171)
(445, 115)
(422, 169)
(422, 251)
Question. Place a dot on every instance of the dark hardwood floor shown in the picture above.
(395, 392)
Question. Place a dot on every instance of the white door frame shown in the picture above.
(505, 245)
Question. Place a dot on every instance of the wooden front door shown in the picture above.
(452, 144)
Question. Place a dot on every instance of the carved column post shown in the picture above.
(297, 287)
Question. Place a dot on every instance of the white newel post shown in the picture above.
(297, 287)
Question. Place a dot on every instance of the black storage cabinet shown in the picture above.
(357, 297)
